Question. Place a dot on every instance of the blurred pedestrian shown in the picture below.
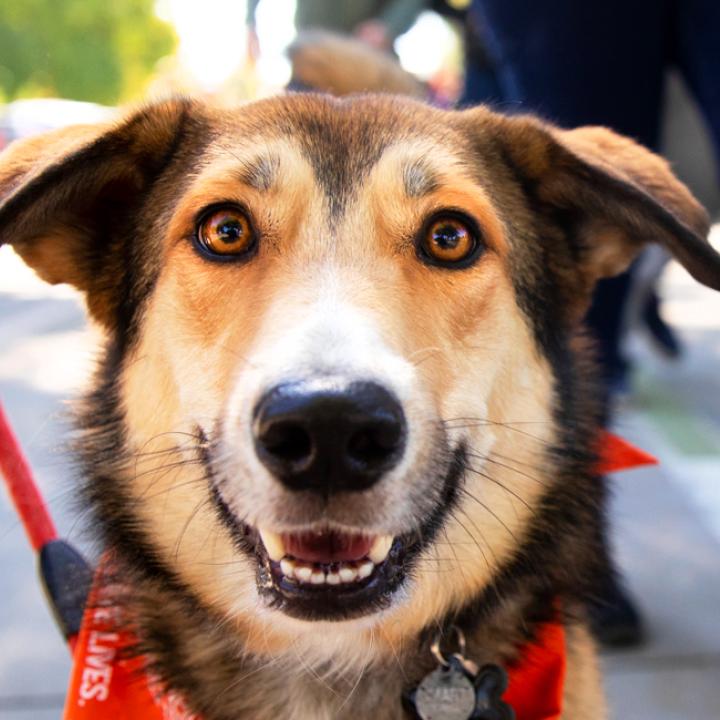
(375, 22)
(604, 63)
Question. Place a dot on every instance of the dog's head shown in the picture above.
(339, 372)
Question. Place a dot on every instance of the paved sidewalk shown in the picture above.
(667, 521)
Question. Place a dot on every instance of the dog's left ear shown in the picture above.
(67, 198)
(612, 195)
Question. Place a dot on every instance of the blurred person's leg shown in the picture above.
(643, 305)
(694, 45)
(696, 50)
(580, 63)
(480, 82)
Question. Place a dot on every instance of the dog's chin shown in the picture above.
(327, 573)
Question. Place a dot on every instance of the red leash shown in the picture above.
(24, 493)
(65, 575)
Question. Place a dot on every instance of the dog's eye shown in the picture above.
(449, 241)
(225, 232)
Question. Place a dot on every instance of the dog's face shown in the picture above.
(338, 326)
(337, 331)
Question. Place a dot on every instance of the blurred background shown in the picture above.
(78, 60)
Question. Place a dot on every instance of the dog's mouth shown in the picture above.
(329, 572)
(325, 557)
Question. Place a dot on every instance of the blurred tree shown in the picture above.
(95, 50)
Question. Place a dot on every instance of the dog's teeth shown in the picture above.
(380, 549)
(303, 572)
(313, 574)
(273, 544)
(347, 574)
(287, 567)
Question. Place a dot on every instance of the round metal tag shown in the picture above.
(445, 694)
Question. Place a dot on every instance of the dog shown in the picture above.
(345, 410)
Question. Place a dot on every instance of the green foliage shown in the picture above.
(98, 50)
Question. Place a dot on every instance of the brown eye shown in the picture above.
(226, 232)
(449, 241)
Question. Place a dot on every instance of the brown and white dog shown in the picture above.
(344, 402)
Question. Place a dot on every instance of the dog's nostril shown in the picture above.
(374, 445)
(329, 436)
(287, 441)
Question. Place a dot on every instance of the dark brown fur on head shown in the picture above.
(108, 209)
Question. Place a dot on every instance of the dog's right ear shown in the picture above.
(602, 197)
(67, 197)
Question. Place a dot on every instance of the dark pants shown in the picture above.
(582, 62)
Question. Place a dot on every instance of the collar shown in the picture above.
(106, 684)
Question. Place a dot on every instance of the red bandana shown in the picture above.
(104, 685)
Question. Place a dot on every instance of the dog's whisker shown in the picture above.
(360, 674)
(393, 650)
(246, 676)
(539, 466)
(470, 423)
(476, 542)
(500, 484)
(199, 507)
(149, 454)
(490, 511)
(166, 468)
(162, 474)
(489, 459)
(488, 421)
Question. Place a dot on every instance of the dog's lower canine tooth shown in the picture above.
(380, 549)
(273, 544)
(365, 569)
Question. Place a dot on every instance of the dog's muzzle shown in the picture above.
(335, 449)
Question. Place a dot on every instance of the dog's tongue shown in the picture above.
(327, 547)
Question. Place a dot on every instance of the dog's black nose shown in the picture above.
(316, 436)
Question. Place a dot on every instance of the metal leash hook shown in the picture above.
(458, 690)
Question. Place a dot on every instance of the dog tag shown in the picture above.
(457, 691)
(447, 693)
